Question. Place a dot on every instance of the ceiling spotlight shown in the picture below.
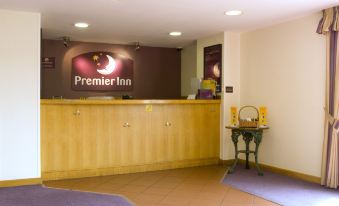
(66, 40)
(233, 13)
(137, 46)
(175, 33)
(81, 25)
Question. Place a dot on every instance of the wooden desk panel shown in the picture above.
(81, 140)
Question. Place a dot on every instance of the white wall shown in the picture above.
(231, 77)
(19, 105)
(188, 68)
(283, 68)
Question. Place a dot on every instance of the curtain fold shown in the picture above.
(328, 26)
(329, 21)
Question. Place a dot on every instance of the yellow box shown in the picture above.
(209, 84)
(234, 118)
(262, 116)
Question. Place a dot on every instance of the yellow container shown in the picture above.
(209, 84)
(263, 116)
(234, 118)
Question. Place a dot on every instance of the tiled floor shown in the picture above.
(179, 187)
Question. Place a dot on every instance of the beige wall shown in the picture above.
(20, 86)
(188, 68)
(230, 77)
(283, 68)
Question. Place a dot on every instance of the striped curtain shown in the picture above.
(329, 26)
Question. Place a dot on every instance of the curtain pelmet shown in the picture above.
(330, 21)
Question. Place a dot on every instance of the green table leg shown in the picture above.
(257, 140)
(247, 137)
(235, 136)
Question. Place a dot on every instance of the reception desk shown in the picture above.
(83, 138)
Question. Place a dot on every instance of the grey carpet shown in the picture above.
(37, 195)
(281, 189)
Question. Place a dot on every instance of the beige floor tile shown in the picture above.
(211, 195)
(238, 197)
(143, 182)
(131, 196)
(173, 179)
(197, 186)
(111, 185)
(122, 179)
(262, 202)
(133, 188)
(216, 188)
(176, 201)
(199, 182)
(183, 194)
(145, 204)
(108, 188)
(165, 185)
(86, 184)
(235, 204)
(157, 172)
(204, 202)
(190, 187)
(157, 191)
(149, 198)
(167, 204)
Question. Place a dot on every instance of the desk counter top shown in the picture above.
(124, 102)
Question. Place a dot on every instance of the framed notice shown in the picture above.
(48, 62)
(213, 64)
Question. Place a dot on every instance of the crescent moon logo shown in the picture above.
(216, 70)
(109, 68)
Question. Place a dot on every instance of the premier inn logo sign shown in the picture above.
(102, 71)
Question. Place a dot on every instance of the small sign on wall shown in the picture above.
(48, 62)
(102, 71)
(229, 89)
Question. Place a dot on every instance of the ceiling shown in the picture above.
(150, 21)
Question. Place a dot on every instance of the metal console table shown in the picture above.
(248, 135)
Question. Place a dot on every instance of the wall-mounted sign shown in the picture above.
(229, 89)
(48, 62)
(102, 71)
(212, 64)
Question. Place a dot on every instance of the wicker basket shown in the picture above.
(244, 122)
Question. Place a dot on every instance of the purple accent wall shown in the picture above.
(157, 72)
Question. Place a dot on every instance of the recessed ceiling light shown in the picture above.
(81, 25)
(233, 13)
(175, 33)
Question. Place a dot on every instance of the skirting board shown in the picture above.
(58, 175)
(298, 175)
(20, 182)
